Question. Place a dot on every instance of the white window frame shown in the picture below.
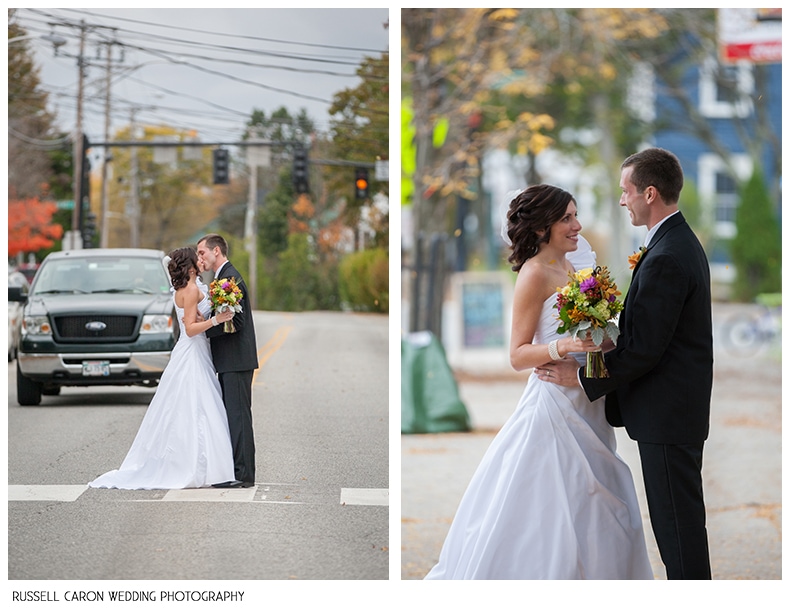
(708, 165)
(709, 104)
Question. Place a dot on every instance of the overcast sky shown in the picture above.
(174, 72)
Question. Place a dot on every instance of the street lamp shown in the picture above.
(57, 41)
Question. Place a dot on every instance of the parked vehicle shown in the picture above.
(17, 280)
(94, 317)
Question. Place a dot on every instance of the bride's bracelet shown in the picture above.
(553, 351)
(213, 321)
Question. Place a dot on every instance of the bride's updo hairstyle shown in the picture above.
(529, 220)
(181, 260)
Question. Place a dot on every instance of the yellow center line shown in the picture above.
(270, 348)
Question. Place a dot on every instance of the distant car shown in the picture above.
(94, 317)
(16, 280)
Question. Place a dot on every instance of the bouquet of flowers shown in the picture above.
(225, 295)
(589, 304)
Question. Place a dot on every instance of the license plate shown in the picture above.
(95, 368)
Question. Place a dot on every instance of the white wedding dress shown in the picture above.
(183, 441)
(551, 498)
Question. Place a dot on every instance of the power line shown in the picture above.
(186, 29)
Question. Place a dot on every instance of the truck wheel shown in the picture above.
(28, 393)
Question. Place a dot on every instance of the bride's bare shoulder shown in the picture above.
(187, 295)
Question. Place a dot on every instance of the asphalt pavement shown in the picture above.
(742, 470)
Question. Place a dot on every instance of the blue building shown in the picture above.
(731, 100)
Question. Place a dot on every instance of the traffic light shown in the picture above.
(361, 183)
(301, 184)
(88, 230)
(221, 166)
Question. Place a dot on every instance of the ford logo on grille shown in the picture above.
(95, 326)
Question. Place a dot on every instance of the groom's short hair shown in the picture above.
(214, 240)
(658, 168)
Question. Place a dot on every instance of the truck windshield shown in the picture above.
(106, 274)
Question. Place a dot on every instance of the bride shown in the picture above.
(551, 498)
(183, 440)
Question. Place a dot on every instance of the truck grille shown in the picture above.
(119, 328)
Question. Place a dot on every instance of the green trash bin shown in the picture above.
(430, 402)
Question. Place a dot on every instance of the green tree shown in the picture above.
(300, 283)
(757, 246)
(30, 134)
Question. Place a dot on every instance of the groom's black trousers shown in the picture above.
(673, 484)
(237, 395)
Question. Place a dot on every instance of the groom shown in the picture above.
(235, 358)
(661, 371)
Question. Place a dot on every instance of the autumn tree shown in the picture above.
(518, 79)
(30, 226)
(175, 195)
(360, 132)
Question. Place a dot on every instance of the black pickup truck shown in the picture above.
(94, 317)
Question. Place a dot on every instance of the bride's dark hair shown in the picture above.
(181, 260)
(529, 220)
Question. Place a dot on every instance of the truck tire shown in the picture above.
(28, 393)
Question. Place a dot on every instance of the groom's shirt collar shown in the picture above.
(220, 268)
(652, 232)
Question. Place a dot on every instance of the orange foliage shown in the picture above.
(301, 213)
(29, 225)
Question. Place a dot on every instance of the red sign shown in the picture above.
(750, 34)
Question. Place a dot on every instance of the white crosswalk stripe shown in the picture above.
(255, 494)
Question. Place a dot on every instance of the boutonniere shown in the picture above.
(634, 258)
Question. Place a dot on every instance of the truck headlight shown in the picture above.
(36, 325)
(156, 324)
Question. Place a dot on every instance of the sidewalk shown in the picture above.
(742, 473)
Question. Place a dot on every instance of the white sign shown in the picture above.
(750, 34)
(383, 171)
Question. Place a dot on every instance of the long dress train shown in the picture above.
(183, 440)
(551, 498)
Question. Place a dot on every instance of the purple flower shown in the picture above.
(226, 286)
(588, 284)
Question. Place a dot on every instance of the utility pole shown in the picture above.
(76, 216)
(105, 187)
(134, 200)
(258, 155)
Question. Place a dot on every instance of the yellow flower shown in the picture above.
(582, 274)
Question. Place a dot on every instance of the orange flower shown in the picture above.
(633, 259)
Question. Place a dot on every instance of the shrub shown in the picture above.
(757, 246)
(364, 280)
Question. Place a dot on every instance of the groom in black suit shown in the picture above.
(235, 359)
(661, 371)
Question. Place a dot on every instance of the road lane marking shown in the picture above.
(364, 496)
(45, 492)
(275, 342)
(70, 493)
(211, 494)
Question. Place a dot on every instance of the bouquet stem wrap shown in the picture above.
(596, 367)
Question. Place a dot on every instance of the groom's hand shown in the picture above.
(563, 372)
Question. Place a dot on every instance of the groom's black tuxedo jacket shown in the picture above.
(661, 372)
(235, 351)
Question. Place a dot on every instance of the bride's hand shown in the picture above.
(582, 345)
(224, 316)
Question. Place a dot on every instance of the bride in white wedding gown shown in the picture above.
(551, 498)
(183, 441)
